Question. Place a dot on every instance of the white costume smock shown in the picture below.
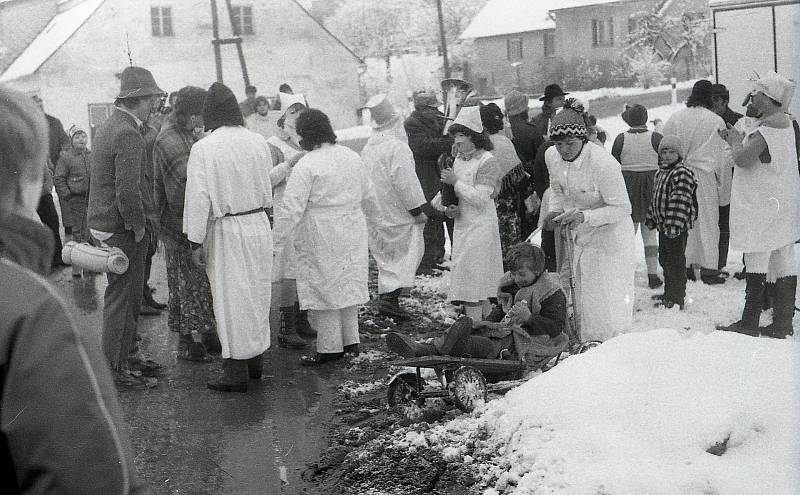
(603, 254)
(477, 255)
(390, 164)
(765, 197)
(708, 156)
(328, 201)
(283, 260)
(228, 173)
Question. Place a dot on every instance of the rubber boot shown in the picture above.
(255, 367)
(234, 377)
(654, 281)
(407, 347)
(782, 309)
(191, 348)
(304, 328)
(389, 306)
(769, 296)
(288, 338)
(460, 329)
(475, 346)
(753, 298)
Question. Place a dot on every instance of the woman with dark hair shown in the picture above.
(475, 176)
(706, 155)
(589, 200)
(510, 194)
(327, 205)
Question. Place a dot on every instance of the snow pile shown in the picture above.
(638, 415)
(350, 389)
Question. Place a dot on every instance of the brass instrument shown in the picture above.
(455, 93)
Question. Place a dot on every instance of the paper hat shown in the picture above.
(287, 100)
(381, 110)
(470, 117)
(776, 87)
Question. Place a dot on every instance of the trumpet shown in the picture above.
(455, 92)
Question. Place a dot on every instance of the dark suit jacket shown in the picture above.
(118, 160)
(524, 139)
(424, 130)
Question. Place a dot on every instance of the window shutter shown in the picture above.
(155, 21)
(611, 31)
(247, 16)
(166, 21)
(595, 40)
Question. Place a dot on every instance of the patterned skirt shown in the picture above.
(509, 204)
(190, 304)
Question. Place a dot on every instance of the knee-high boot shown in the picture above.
(753, 299)
(782, 308)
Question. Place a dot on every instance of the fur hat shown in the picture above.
(515, 103)
(221, 108)
(672, 142)
(635, 115)
(569, 122)
(425, 98)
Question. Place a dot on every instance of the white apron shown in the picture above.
(702, 243)
(603, 255)
(765, 198)
(391, 167)
(228, 172)
(282, 266)
(477, 255)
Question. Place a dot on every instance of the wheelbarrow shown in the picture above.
(462, 379)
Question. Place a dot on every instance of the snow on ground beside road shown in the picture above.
(615, 125)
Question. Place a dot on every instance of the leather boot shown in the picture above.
(234, 377)
(319, 358)
(255, 367)
(769, 296)
(389, 306)
(288, 338)
(475, 346)
(782, 309)
(753, 298)
(460, 329)
(211, 342)
(407, 347)
(304, 328)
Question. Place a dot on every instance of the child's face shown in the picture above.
(79, 141)
(463, 143)
(669, 155)
(524, 276)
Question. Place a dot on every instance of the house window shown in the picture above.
(549, 41)
(603, 32)
(161, 21)
(633, 23)
(514, 48)
(242, 17)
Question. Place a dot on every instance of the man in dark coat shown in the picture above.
(525, 144)
(118, 208)
(61, 428)
(425, 127)
(552, 100)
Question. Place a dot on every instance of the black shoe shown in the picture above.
(740, 327)
(255, 367)
(147, 297)
(211, 342)
(407, 347)
(657, 297)
(147, 310)
(234, 377)
(712, 279)
(320, 358)
(666, 303)
(690, 275)
(654, 281)
(351, 350)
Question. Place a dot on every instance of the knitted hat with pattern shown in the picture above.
(569, 122)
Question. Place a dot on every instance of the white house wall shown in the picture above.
(287, 46)
(494, 66)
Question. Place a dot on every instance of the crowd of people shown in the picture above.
(263, 213)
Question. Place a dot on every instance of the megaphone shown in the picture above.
(95, 259)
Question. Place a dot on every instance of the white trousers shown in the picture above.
(335, 328)
(776, 264)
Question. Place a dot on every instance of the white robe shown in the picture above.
(707, 155)
(391, 167)
(283, 266)
(327, 203)
(228, 172)
(603, 254)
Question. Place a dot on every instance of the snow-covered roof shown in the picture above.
(571, 4)
(716, 4)
(499, 17)
(52, 37)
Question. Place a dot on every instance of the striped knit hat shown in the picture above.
(569, 122)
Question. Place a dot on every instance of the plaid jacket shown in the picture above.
(170, 154)
(673, 207)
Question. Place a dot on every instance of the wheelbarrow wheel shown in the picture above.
(468, 388)
(403, 396)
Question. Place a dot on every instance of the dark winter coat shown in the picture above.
(424, 130)
(59, 141)
(73, 174)
(118, 175)
(61, 429)
(524, 139)
(540, 123)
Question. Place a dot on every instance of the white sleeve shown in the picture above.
(609, 182)
(197, 201)
(295, 202)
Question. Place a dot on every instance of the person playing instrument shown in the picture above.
(532, 330)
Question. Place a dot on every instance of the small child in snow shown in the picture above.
(532, 330)
(672, 212)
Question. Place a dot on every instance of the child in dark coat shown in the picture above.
(672, 212)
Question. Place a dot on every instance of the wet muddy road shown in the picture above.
(188, 439)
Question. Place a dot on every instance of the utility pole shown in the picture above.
(442, 39)
(215, 41)
(218, 42)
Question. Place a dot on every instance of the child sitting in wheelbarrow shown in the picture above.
(527, 325)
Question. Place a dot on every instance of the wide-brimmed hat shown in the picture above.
(776, 87)
(551, 91)
(470, 117)
(702, 91)
(136, 82)
(515, 103)
(635, 115)
(287, 100)
(381, 111)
